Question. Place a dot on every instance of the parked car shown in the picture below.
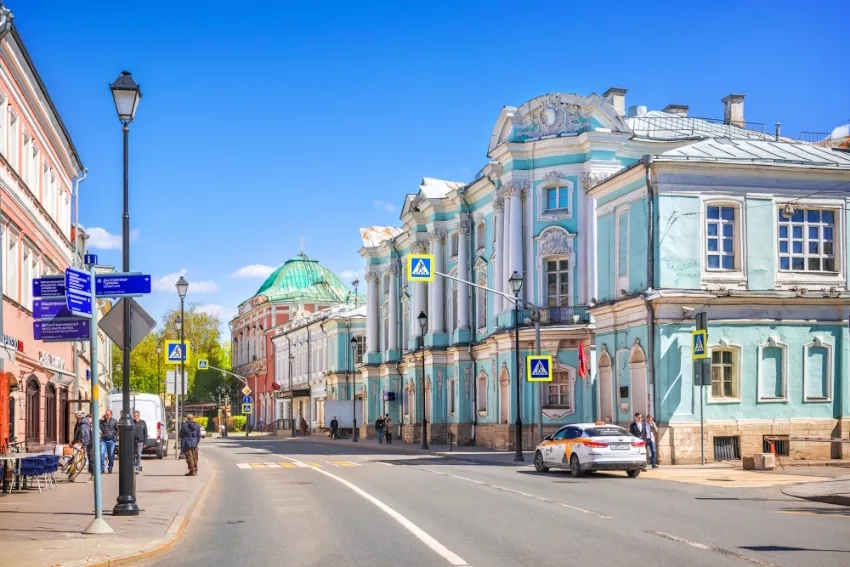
(203, 432)
(589, 447)
(152, 410)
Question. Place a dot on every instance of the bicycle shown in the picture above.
(72, 465)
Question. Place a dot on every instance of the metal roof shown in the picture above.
(724, 149)
(658, 125)
(374, 235)
(304, 279)
(437, 188)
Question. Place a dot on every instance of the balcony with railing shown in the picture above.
(570, 315)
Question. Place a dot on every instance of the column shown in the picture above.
(392, 340)
(437, 315)
(462, 314)
(505, 245)
(512, 192)
(372, 312)
(420, 295)
(498, 209)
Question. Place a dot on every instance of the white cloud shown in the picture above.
(223, 313)
(168, 281)
(253, 271)
(384, 205)
(102, 239)
(349, 274)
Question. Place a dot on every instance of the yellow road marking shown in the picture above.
(344, 464)
(314, 465)
(258, 466)
(287, 465)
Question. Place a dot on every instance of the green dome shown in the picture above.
(304, 279)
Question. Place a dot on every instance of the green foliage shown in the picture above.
(203, 422)
(236, 423)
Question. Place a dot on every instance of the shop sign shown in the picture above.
(14, 343)
(47, 359)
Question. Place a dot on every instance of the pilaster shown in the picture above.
(392, 339)
(463, 290)
(498, 269)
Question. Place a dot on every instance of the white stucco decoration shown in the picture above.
(555, 241)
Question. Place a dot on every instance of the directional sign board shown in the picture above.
(140, 323)
(202, 364)
(90, 259)
(49, 286)
(246, 390)
(50, 308)
(176, 352)
(420, 267)
(538, 368)
(698, 342)
(122, 285)
(247, 409)
(78, 288)
(63, 330)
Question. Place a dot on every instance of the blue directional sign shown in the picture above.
(78, 288)
(122, 285)
(62, 330)
(90, 259)
(49, 286)
(50, 308)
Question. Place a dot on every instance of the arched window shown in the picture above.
(33, 410)
(481, 393)
(50, 413)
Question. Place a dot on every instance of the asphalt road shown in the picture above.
(345, 505)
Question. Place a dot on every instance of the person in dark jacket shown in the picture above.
(140, 435)
(82, 435)
(108, 437)
(334, 428)
(190, 435)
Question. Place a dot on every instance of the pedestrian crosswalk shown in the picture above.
(289, 465)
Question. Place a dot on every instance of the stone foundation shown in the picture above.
(679, 444)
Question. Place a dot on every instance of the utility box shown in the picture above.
(765, 461)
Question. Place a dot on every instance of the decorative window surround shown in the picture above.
(554, 243)
(830, 363)
(786, 278)
(773, 342)
(737, 275)
(481, 237)
(481, 385)
(725, 345)
(554, 180)
(452, 395)
(622, 221)
(557, 411)
(621, 374)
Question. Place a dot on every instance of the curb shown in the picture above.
(836, 499)
(172, 535)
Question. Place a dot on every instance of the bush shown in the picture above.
(203, 422)
(236, 423)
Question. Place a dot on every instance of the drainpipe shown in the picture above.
(650, 280)
(399, 337)
(76, 263)
(473, 326)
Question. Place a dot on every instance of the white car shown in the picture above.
(588, 447)
(203, 432)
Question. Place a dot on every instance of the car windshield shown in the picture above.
(608, 431)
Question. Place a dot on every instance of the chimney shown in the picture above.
(677, 109)
(733, 110)
(616, 97)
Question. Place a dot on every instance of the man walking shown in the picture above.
(649, 430)
(379, 429)
(190, 435)
(108, 433)
(334, 428)
(140, 435)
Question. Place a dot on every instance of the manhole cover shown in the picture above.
(161, 491)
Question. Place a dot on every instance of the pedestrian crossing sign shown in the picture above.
(176, 352)
(698, 341)
(202, 364)
(247, 409)
(420, 267)
(538, 368)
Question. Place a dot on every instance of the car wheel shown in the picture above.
(160, 453)
(575, 466)
(538, 462)
(633, 473)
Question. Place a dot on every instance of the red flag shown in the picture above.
(582, 361)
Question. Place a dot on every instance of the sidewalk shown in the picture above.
(45, 530)
(835, 491)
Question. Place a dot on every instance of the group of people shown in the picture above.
(382, 428)
(190, 436)
(644, 428)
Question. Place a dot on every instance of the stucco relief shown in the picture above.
(467, 378)
(439, 379)
(372, 277)
(463, 227)
(511, 188)
(559, 413)
(419, 247)
(555, 115)
(552, 178)
(555, 241)
(504, 375)
(591, 178)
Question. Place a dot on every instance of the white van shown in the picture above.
(152, 410)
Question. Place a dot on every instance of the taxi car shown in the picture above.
(588, 447)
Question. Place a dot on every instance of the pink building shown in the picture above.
(38, 169)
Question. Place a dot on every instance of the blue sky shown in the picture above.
(264, 121)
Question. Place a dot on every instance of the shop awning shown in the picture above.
(304, 393)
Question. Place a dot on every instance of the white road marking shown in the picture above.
(298, 464)
(519, 493)
(719, 550)
(273, 465)
(432, 543)
(243, 465)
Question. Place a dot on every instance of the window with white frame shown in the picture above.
(772, 370)
(817, 371)
(360, 349)
(557, 282)
(454, 244)
(29, 272)
(724, 374)
(807, 241)
(4, 114)
(385, 342)
(26, 163)
(557, 199)
(720, 225)
(481, 394)
(14, 140)
(622, 253)
(12, 247)
(481, 236)
(481, 302)
(560, 391)
(34, 181)
(405, 324)
(452, 393)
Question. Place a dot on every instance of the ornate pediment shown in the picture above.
(555, 114)
(555, 241)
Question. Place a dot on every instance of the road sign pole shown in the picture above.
(702, 325)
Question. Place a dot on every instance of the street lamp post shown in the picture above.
(291, 393)
(178, 454)
(354, 382)
(516, 285)
(126, 94)
(423, 322)
(182, 288)
(158, 369)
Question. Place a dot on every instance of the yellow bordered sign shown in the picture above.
(420, 267)
(698, 344)
(538, 368)
(174, 353)
(247, 408)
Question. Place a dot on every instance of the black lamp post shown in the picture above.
(178, 454)
(291, 393)
(158, 356)
(423, 322)
(354, 382)
(516, 285)
(126, 94)
(182, 287)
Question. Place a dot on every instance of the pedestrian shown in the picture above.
(83, 437)
(303, 427)
(108, 436)
(190, 434)
(140, 436)
(635, 428)
(379, 429)
(649, 431)
(388, 432)
(334, 428)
